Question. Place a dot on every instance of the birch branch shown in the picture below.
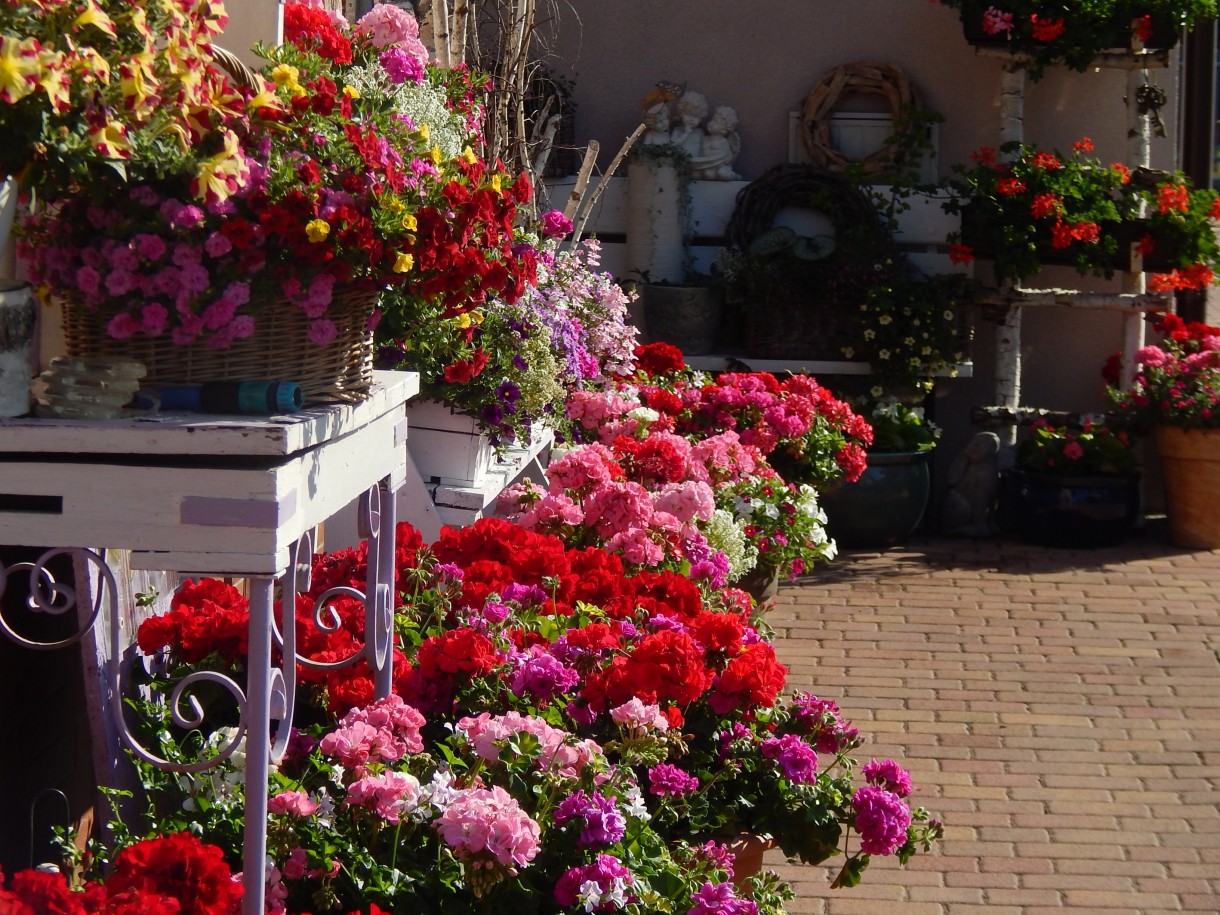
(578, 228)
(582, 180)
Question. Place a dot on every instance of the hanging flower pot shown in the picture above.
(1073, 35)
(1190, 461)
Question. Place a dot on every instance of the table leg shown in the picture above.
(258, 751)
(384, 681)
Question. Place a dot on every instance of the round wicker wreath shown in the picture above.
(760, 201)
(861, 77)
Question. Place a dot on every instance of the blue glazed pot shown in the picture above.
(887, 503)
(1088, 511)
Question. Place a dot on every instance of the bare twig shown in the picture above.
(586, 209)
(582, 180)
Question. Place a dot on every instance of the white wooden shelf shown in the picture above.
(724, 363)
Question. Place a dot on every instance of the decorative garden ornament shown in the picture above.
(720, 147)
(688, 132)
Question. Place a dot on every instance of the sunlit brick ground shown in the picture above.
(1059, 708)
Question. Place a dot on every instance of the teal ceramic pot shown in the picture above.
(1087, 511)
(887, 503)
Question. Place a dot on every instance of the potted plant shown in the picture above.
(688, 315)
(1024, 207)
(1074, 487)
(63, 116)
(1075, 33)
(887, 503)
(912, 327)
(1176, 395)
(497, 376)
(801, 428)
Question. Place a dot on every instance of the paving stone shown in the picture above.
(1059, 709)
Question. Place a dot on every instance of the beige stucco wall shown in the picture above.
(762, 57)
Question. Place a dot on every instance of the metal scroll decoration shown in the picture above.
(47, 596)
(56, 598)
(831, 88)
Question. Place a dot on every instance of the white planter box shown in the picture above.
(446, 447)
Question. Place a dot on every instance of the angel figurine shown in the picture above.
(720, 147)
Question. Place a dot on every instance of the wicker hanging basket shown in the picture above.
(278, 350)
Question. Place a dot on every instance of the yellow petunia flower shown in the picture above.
(424, 132)
(95, 16)
(469, 156)
(316, 230)
(111, 141)
(351, 92)
(436, 155)
(497, 182)
(409, 222)
(20, 68)
(463, 321)
(403, 263)
(55, 80)
(285, 75)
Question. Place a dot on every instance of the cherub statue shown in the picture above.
(719, 148)
(692, 109)
(656, 119)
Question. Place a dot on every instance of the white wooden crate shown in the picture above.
(447, 447)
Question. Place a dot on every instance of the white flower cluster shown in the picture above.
(424, 104)
(727, 534)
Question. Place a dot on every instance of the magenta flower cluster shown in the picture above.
(882, 820)
(796, 758)
(668, 780)
(720, 899)
(604, 823)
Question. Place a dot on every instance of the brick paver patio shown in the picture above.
(1059, 708)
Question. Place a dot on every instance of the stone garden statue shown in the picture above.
(687, 134)
(656, 119)
(720, 147)
(967, 510)
(712, 144)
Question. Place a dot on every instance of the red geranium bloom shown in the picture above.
(1172, 196)
(1046, 29)
(1045, 205)
(961, 254)
(34, 892)
(182, 867)
(751, 680)
(659, 359)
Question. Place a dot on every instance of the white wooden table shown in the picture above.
(235, 496)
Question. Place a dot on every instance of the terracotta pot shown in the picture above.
(748, 851)
(1190, 461)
